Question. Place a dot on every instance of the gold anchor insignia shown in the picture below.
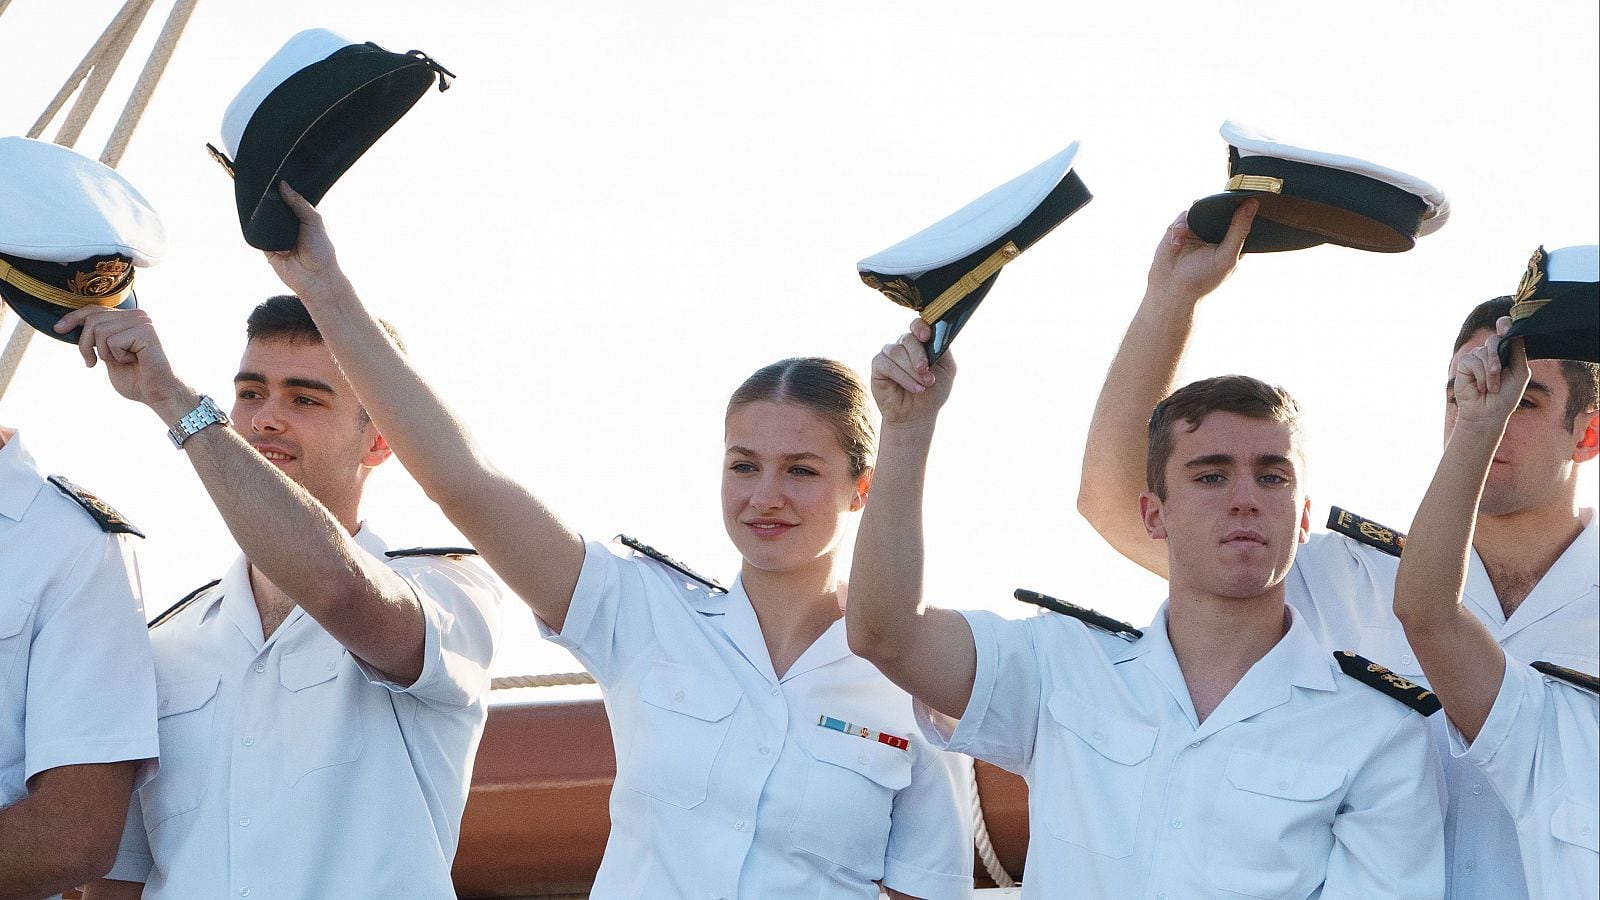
(105, 278)
(1399, 682)
(1531, 278)
(1377, 532)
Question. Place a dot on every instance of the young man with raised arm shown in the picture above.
(1533, 574)
(1219, 752)
(321, 704)
(1530, 728)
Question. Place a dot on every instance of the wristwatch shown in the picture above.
(207, 413)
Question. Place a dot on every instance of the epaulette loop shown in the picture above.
(1087, 616)
(1386, 682)
(640, 547)
(451, 552)
(1366, 531)
(1580, 680)
(109, 520)
(183, 604)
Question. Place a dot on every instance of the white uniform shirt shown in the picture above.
(76, 682)
(290, 769)
(1345, 590)
(1302, 783)
(726, 785)
(1540, 750)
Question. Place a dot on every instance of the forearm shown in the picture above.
(1463, 663)
(64, 833)
(1142, 373)
(436, 447)
(886, 575)
(108, 889)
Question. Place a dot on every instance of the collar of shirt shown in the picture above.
(1575, 573)
(20, 478)
(1296, 660)
(742, 628)
(237, 600)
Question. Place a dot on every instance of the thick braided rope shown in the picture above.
(160, 55)
(980, 834)
(555, 679)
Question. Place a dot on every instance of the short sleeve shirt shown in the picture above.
(1540, 750)
(290, 768)
(77, 685)
(1345, 591)
(727, 786)
(1303, 782)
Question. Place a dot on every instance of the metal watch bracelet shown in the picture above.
(202, 416)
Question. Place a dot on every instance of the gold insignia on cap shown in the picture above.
(899, 290)
(106, 277)
(1524, 305)
(1264, 183)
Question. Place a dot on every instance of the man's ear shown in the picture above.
(1150, 512)
(1588, 446)
(377, 452)
(863, 487)
(1303, 533)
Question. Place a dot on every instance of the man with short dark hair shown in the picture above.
(1534, 569)
(1220, 750)
(321, 704)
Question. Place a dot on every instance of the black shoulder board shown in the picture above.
(641, 547)
(1384, 681)
(1366, 531)
(452, 552)
(1573, 677)
(109, 519)
(183, 604)
(1088, 616)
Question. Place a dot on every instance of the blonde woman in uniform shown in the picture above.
(756, 755)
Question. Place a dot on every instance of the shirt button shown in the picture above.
(764, 750)
(1177, 823)
(1195, 746)
(677, 697)
(1471, 864)
(244, 821)
(774, 690)
(163, 704)
(1161, 897)
(249, 742)
(244, 892)
(1099, 736)
(1407, 660)
(260, 668)
(1477, 789)
(739, 825)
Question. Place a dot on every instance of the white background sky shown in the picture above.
(621, 210)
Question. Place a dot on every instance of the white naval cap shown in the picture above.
(1556, 310)
(944, 270)
(311, 111)
(1309, 197)
(71, 232)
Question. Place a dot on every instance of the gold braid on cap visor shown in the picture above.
(108, 285)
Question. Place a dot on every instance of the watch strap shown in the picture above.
(207, 413)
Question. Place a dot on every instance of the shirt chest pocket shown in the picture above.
(321, 722)
(185, 717)
(682, 722)
(14, 615)
(1576, 826)
(1091, 769)
(848, 802)
(1272, 813)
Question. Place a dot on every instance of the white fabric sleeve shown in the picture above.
(930, 832)
(91, 695)
(1001, 722)
(1509, 740)
(460, 606)
(596, 629)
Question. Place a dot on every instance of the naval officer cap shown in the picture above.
(72, 232)
(306, 117)
(944, 270)
(1556, 310)
(1308, 197)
